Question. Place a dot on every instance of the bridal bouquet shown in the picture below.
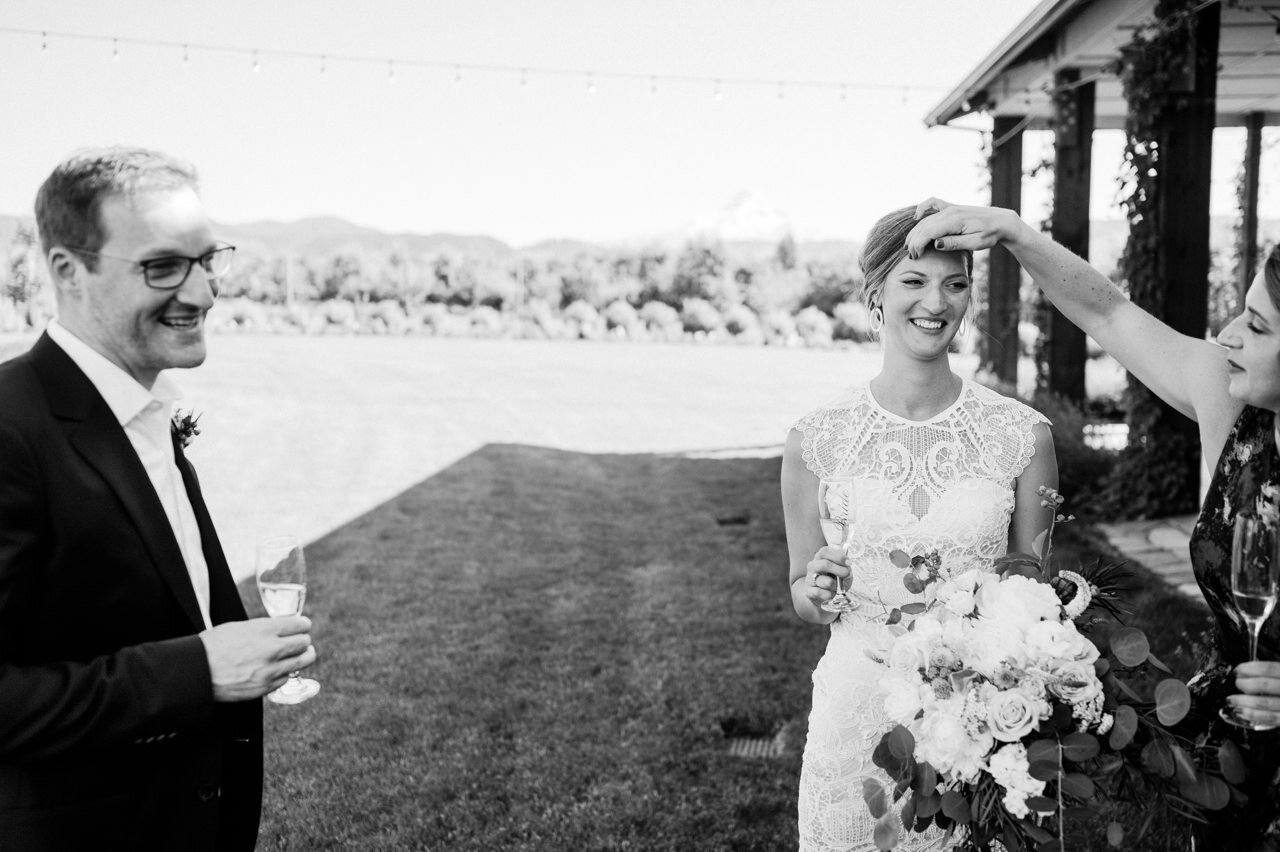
(1010, 719)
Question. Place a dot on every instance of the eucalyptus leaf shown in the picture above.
(900, 559)
(914, 608)
(1044, 770)
(1173, 701)
(1080, 746)
(1123, 728)
(956, 807)
(1231, 763)
(1158, 758)
(1115, 834)
(873, 795)
(1130, 646)
(1077, 784)
(1042, 804)
(886, 835)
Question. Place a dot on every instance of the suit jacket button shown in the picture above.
(207, 792)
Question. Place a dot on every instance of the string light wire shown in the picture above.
(518, 72)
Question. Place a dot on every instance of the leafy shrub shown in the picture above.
(661, 320)
(814, 327)
(585, 319)
(779, 328)
(699, 315)
(853, 322)
(622, 317)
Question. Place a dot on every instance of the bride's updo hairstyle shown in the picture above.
(885, 247)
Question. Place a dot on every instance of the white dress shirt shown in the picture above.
(146, 417)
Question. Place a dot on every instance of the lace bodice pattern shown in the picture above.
(944, 484)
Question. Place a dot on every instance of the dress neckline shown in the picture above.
(941, 415)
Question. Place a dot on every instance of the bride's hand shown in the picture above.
(1259, 684)
(950, 227)
(821, 574)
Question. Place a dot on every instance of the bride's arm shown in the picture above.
(813, 569)
(1030, 517)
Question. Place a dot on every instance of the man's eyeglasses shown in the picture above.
(170, 272)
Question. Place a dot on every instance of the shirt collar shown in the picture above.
(122, 393)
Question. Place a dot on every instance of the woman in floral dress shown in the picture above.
(1232, 390)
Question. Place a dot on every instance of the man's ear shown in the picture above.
(65, 271)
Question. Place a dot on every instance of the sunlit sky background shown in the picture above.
(427, 152)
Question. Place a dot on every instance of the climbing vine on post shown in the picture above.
(1155, 69)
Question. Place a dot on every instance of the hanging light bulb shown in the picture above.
(322, 65)
(257, 66)
(524, 77)
(719, 93)
(186, 56)
(115, 50)
(653, 85)
(457, 75)
(844, 92)
(591, 85)
(391, 70)
(44, 42)
(781, 92)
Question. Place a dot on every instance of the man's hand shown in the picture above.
(248, 659)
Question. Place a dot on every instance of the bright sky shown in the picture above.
(485, 154)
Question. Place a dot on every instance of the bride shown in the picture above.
(918, 459)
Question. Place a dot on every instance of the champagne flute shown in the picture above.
(282, 585)
(835, 509)
(1254, 586)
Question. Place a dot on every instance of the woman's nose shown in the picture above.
(1228, 336)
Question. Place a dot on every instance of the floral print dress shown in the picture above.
(1247, 477)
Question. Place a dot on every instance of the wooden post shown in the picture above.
(1247, 251)
(1073, 148)
(1186, 159)
(1004, 273)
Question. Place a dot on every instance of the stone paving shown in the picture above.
(1159, 545)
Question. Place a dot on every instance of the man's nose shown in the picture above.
(200, 289)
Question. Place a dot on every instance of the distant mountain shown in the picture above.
(747, 218)
(748, 228)
(329, 234)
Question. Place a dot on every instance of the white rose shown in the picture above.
(909, 653)
(904, 697)
(1075, 683)
(1012, 715)
(992, 644)
(957, 594)
(1053, 640)
(1018, 600)
(944, 743)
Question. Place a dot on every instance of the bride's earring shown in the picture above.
(877, 319)
(963, 327)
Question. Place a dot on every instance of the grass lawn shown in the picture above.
(538, 649)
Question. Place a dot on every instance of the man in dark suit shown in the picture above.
(130, 676)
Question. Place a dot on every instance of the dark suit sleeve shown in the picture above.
(50, 707)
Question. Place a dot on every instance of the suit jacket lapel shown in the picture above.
(98, 438)
(224, 597)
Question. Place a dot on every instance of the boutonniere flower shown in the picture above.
(185, 426)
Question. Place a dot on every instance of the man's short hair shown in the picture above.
(69, 202)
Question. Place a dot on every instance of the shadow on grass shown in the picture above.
(541, 649)
(537, 649)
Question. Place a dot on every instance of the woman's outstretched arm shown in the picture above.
(1188, 373)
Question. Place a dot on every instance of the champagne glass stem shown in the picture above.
(1255, 627)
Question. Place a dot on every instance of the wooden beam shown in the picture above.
(1073, 167)
(1003, 273)
(1182, 253)
(1247, 251)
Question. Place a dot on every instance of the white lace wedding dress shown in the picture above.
(943, 484)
